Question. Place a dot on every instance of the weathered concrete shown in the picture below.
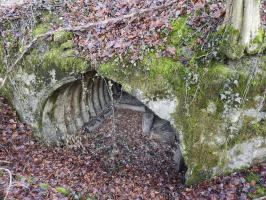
(226, 111)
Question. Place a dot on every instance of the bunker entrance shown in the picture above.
(93, 106)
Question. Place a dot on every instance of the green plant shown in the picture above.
(31, 180)
(252, 177)
(258, 188)
(66, 192)
(90, 198)
(44, 186)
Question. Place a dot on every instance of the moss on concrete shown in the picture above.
(153, 75)
(62, 37)
(64, 61)
(69, 44)
(229, 42)
(45, 22)
(201, 151)
(258, 43)
(205, 133)
(58, 54)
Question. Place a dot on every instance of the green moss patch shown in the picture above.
(41, 29)
(154, 75)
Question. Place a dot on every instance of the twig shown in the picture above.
(10, 181)
(4, 161)
(2, 81)
(4, 148)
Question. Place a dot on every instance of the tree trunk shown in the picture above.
(244, 16)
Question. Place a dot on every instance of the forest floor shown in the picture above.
(141, 169)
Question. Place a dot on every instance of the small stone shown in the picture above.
(147, 121)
